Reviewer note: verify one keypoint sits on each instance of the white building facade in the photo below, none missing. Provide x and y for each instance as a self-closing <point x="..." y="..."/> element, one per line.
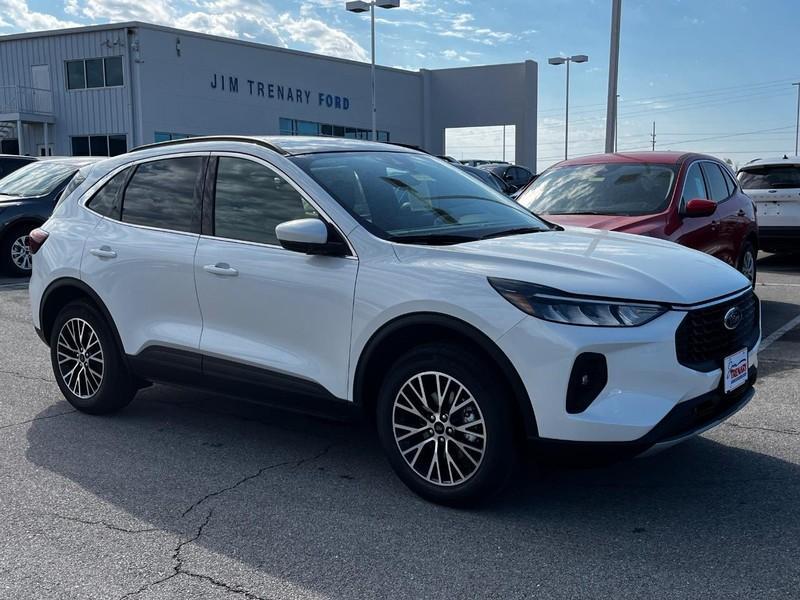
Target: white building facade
<point x="102" y="90"/>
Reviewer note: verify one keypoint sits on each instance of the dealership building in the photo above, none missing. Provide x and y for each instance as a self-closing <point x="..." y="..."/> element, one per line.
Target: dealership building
<point x="102" y="90"/>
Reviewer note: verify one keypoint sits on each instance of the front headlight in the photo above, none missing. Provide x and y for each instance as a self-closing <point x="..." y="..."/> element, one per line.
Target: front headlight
<point x="560" y="307"/>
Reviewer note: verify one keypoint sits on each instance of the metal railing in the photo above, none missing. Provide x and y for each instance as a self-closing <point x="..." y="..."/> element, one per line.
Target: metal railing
<point x="17" y="98"/>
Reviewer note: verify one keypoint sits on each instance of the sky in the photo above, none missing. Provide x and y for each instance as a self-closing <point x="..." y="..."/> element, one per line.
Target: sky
<point x="715" y="75"/>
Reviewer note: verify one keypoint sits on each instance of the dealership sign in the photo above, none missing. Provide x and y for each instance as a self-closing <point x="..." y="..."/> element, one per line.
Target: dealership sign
<point x="275" y="91"/>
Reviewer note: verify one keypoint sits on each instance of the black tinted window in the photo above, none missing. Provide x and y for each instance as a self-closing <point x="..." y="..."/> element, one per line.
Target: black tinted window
<point x="113" y="67"/>
<point x="694" y="186"/>
<point x="716" y="182"/>
<point x="770" y="177"/>
<point x="105" y="201"/>
<point x="163" y="193"/>
<point x="251" y="200"/>
<point x="94" y="73"/>
<point x="76" y="78"/>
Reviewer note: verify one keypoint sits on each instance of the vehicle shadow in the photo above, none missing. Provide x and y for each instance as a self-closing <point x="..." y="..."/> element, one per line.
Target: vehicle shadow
<point x="778" y="263"/>
<point x="313" y="504"/>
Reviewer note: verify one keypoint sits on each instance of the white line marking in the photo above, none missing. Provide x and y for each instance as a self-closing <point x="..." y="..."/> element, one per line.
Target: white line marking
<point x="773" y="284"/>
<point x="778" y="333"/>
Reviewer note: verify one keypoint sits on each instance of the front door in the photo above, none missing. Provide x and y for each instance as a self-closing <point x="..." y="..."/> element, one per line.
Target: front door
<point x="285" y="314"/>
<point x="700" y="233"/>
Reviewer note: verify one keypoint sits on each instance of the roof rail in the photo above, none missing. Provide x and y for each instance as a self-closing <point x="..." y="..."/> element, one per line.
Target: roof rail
<point x="214" y="138"/>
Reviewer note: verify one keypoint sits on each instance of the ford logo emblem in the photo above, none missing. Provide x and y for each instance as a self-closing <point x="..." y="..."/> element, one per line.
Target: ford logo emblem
<point x="732" y="318"/>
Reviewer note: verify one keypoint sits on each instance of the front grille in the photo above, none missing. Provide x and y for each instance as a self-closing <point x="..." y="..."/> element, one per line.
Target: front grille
<point x="702" y="340"/>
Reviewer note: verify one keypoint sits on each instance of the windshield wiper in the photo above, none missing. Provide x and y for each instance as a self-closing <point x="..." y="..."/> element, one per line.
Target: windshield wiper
<point x="440" y="239"/>
<point x="515" y="231"/>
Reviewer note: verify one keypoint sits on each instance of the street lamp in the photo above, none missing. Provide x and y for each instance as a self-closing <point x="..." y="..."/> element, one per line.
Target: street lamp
<point x="797" y="126"/>
<point x="359" y="6"/>
<point x="560" y="60"/>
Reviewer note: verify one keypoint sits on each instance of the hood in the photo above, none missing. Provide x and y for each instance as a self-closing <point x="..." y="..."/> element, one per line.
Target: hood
<point x="631" y="224"/>
<point x="591" y="262"/>
<point x="4" y="198"/>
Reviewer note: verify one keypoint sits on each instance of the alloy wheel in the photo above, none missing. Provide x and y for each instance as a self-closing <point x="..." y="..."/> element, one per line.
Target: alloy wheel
<point x="80" y="358"/>
<point x="439" y="428"/>
<point x="21" y="253"/>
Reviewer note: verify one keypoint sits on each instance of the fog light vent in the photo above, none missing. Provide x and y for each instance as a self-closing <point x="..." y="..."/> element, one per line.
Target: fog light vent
<point x="588" y="378"/>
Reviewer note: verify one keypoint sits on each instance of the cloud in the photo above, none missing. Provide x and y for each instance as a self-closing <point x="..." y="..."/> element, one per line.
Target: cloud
<point x="253" y="20"/>
<point x="454" y="55"/>
<point x="17" y="15"/>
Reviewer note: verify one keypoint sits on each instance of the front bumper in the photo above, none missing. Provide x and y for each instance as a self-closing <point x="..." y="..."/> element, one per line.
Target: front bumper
<point x="648" y="394"/>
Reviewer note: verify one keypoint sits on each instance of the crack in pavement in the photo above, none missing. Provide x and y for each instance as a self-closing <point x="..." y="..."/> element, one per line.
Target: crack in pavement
<point x="255" y="475"/>
<point x="105" y="524"/>
<point x="68" y="412"/>
<point x="24" y="376"/>
<point x="755" y="427"/>
<point x="178" y="569"/>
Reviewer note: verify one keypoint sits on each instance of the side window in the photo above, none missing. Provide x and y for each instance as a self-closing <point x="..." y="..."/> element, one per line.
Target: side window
<point x="165" y="194"/>
<point x="106" y="201"/>
<point x="730" y="181"/>
<point x="251" y="200"/>
<point x="716" y="182"/>
<point x="693" y="185"/>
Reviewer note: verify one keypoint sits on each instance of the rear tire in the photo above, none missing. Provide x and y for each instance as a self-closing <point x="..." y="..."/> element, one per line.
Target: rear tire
<point x="15" y="256"/>
<point x="747" y="262"/>
<point x="87" y="361"/>
<point x="457" y="449"/>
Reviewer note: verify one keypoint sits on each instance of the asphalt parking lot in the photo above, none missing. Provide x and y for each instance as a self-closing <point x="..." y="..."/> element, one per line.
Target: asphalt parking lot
<point x="186" y="495"/>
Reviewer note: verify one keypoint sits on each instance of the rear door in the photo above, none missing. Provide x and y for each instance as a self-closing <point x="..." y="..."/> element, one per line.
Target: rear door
<point x="140" y="257"/>
<point x="270" y="315"/>
<point x="699" y="233"/>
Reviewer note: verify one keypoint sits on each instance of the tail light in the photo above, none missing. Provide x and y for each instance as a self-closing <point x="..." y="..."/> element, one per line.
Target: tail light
<point x="36" y="238"/>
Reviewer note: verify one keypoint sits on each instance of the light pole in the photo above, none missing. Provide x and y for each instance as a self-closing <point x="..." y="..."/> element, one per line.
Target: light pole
<point x="560" y="60"/>
<point x="797" y="127"/>
<point x="359" y="6"/>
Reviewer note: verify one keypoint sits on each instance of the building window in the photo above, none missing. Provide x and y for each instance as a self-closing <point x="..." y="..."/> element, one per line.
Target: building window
<point x="165" y="136"/>
<point x="298" y="127"/>
<point x="93" y="73"/>
<point x="99" y="145"/>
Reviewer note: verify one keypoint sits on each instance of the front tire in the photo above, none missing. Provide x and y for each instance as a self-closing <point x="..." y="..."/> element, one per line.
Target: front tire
<point x="87" y="362"/>
<point x="444" y="421"/>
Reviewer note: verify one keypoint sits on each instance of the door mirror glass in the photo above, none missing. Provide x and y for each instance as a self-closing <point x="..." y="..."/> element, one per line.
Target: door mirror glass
<point x="310" y="236"/>
<point x="700" y="207"/>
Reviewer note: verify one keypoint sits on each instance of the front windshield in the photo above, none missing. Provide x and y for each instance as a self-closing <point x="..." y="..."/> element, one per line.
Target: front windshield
<point x="415" y="198"/>
<point x="36" y="179"/>
<point x="601" y="189"/>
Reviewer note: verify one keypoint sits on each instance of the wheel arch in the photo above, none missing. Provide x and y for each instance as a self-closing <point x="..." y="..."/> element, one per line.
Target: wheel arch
<point x="63" y="291"/>
<point x="401" y="334"/>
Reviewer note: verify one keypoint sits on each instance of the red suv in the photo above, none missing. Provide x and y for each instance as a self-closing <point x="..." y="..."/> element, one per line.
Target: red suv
<point x="691" y="199"/>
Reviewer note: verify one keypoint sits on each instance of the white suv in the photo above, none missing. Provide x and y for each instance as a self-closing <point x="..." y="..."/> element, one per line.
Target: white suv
<point x="774" y="185"/>
<point x="336" y="273"/>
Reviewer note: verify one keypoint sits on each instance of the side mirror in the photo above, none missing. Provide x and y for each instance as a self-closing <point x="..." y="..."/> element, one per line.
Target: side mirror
<point x="310" y="236"/>
<point x="699" y="207"/>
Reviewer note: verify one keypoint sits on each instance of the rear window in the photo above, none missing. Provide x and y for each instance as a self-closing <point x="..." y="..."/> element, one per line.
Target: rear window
<point x="770" y="177"/>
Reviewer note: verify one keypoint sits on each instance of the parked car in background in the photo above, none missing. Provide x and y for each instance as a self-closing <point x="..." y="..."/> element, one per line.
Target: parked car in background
<point x="515" y="177"/>
<point x="774" y="185"/>
<point x="340" y="274"/>
<point x="488" y="178"/>
<point x="476" y="162"/>
<point x="27" y="198"/>
<point x="691" y="199"/>
<point x="11" y="162"/>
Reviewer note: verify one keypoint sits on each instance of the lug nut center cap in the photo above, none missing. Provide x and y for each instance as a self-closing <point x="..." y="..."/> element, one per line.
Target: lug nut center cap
<point x="438" y="428"/>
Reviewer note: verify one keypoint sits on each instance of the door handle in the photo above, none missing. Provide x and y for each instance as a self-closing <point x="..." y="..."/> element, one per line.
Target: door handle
<point x="103" y="252"/>
<point x="222" y="269"/>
